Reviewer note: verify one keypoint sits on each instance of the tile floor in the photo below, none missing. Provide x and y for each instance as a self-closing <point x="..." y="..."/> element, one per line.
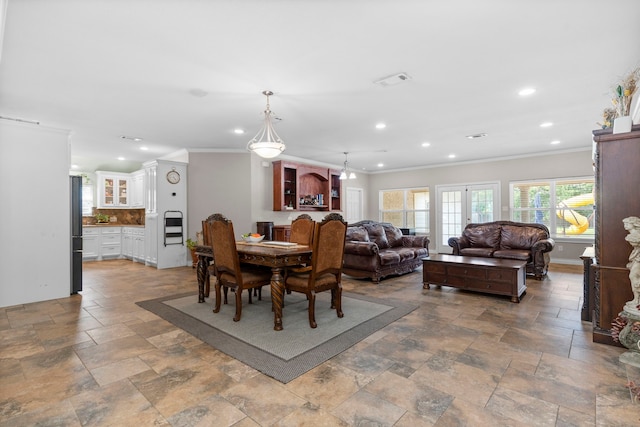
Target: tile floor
<point x="459" y="359"/>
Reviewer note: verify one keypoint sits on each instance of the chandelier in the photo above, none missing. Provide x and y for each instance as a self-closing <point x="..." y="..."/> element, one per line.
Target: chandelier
<point x="345" y="174"/>
<point x="266" y="143"/>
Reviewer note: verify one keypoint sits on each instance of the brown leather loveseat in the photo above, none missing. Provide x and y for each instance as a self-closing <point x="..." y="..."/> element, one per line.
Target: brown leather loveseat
<point x="507" y="240"/>
<point x="379" y="249"/>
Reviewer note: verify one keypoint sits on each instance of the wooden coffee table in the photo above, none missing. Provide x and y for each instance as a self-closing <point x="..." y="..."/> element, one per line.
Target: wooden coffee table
<point x="488" y="275"/>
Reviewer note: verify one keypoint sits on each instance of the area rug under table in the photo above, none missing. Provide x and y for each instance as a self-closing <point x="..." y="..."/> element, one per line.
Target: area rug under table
<point x="286" y="354"/>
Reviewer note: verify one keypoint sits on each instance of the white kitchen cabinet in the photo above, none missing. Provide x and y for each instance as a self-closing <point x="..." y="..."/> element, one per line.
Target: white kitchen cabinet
<point x="133" y="243"/>
<point x="110" y="242"/>
<point x="127" y="242"/>
<point x="90" y="243"/>
<point x="138" y="249"/>
<point x="113" y="189"/>
<point x="137" y="189"/>
<point x="101" y="242"/>
<point x="150" y="172"/>
<point x="151" y="240"/>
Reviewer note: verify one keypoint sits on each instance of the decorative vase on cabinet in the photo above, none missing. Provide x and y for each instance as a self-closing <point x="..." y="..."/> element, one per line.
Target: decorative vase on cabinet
<point x="622" y="124"/>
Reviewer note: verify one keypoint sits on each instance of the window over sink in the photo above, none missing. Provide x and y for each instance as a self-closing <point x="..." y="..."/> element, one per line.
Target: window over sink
<point x="87" y="199"/>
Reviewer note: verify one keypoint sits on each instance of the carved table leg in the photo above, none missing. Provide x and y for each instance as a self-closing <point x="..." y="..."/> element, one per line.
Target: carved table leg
<point x="201" y="273"/>
<point x="277" y="297"/>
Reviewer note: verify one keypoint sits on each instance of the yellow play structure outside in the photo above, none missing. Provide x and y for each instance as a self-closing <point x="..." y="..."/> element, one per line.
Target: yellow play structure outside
<point x="579" y="223"/>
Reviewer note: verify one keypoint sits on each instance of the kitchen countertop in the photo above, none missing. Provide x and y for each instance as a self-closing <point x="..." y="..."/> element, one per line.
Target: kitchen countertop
<point x="114" y="224"/>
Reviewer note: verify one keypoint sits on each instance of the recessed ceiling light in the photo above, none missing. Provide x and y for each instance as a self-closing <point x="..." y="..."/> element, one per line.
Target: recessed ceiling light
<point x="380" y="126"/>
<point x="476" y="135"/>
<point x="555" y="142"/>
<point x="238" y="131"/>
<point x="144" y="148"/>
<point x="426" y="144"/>
<point x="380" y="165"/>
<point x="527" y="91"/>
<point x="452" y="156"/>
<point x="120" y="158"/>
<point x="198" y="93"/>
<point x="74" y="166"/>
<point x="546" y="124"/>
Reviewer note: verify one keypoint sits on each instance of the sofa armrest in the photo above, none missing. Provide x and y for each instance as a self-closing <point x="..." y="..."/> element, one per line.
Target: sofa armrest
<point x="454" y="242"/>
<point x="415" y="241"/>
<point x="361" y="248"/>
<point x="545" y="245"/>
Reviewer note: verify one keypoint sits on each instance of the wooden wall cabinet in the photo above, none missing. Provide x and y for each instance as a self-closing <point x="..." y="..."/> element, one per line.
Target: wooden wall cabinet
<point x="282" y="233"/>
<point x="302" y="187"/>
<point x="617" y="174"/>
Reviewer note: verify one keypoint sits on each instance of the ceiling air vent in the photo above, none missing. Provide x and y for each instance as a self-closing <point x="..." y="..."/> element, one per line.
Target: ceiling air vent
<point x="393" y="80"/>
<point x="476" y="136"/>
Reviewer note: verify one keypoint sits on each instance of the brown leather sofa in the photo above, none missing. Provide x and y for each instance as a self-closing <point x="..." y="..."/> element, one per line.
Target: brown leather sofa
<point x="507" y="240"/>
<point x="378" y="249"/>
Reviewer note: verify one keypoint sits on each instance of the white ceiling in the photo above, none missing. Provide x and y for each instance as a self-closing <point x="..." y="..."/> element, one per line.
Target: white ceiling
<point x="104" y="69"/>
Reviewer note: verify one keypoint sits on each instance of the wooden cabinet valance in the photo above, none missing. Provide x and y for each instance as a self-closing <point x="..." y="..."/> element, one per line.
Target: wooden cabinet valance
<point x="302" y="187"/>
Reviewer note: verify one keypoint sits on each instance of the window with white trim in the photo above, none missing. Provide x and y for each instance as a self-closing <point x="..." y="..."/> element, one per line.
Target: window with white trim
<point x="406" y="208"/>
<point x="87" y="199"/>
<point x="564" y="205"/>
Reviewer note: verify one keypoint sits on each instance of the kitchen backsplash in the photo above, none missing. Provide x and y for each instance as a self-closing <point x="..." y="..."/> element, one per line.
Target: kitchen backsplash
<point x="121" y="216"/>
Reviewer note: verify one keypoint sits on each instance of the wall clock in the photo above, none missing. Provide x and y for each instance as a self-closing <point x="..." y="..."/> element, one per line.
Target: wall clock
<point x="173" y="176"/>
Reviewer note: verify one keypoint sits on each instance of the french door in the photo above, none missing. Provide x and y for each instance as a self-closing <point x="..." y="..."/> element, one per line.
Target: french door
<point x="460" y="205"/>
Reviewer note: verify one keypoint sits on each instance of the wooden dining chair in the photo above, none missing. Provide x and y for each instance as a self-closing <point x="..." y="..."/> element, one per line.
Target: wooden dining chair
<point x="206" y="246"/>
<point x="302" y="230"/>
<point x="230" y="273"/>
<point x="325" y="272"/>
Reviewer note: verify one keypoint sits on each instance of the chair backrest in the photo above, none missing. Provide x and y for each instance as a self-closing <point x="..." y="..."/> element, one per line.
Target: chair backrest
<point x="223" y="244"/>
<point x="206" y="231"/>
<point x="302" y="229"/>
<point x="328" y="245"/>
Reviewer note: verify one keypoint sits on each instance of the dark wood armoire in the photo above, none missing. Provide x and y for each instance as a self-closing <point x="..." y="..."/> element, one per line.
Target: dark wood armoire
<point x="617" y="196"/>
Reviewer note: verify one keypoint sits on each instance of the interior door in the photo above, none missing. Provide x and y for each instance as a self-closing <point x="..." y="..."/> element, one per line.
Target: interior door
<point x="353" y="203"/>
<point x="463" y="204"/>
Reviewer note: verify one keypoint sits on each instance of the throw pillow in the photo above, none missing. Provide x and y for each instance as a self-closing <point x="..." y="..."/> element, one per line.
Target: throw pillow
<point x="394" y="235"/>
<point x="357" y="234"/>
<point x="377" y="235"/>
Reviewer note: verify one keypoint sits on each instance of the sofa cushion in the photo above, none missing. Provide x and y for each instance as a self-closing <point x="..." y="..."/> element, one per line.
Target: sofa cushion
<point x="482" y="236"/>
<point x="405" y="254"/>
<point x="377" y="235"/>
<point x="516" y="237"/>
<point x="394" y="235"/>
<point x="420" y="252"/>
<point x="483" y="252"/>
<point x="357" y="234"/>
<point x="519" y="254"/>
<point x="389" y="258"/>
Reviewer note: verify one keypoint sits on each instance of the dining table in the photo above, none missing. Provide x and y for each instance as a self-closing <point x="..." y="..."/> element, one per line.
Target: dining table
<point x="273" y="254"/>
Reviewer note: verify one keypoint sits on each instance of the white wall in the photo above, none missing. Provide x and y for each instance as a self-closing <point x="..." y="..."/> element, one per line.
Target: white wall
<point x="219" y="183"/>
<point x="518" y="169"/>
<point x="240" y="185"/>
<point x="171" y="197"/>
<point x="34" y="214"/>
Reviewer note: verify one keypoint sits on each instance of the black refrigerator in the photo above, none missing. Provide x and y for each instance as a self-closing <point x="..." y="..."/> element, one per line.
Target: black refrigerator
<point x="76" y="234"/>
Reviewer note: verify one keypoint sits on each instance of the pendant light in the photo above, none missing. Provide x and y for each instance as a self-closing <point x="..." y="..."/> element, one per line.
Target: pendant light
<point x="266" y="143"/>
<point x="345" y="174"/>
